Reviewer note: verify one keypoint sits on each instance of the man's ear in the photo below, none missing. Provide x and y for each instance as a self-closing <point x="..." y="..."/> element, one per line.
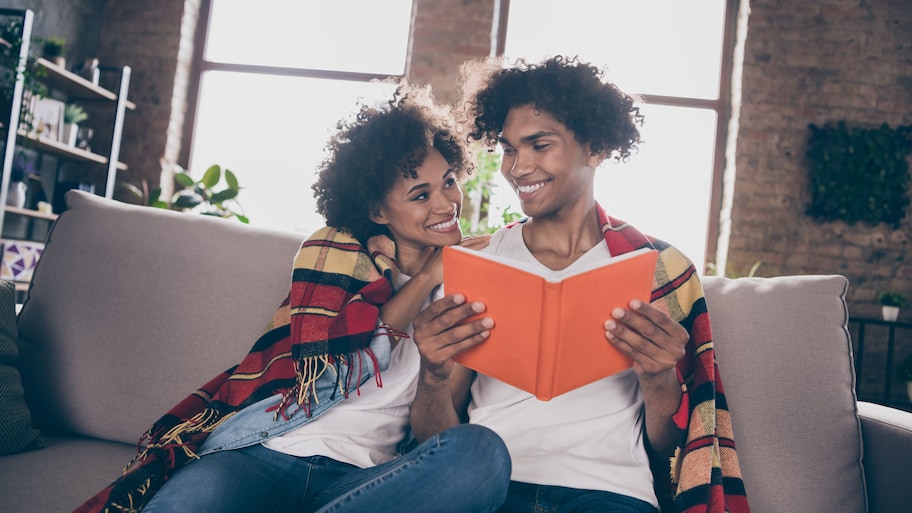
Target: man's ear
<point x="596" y="159"/>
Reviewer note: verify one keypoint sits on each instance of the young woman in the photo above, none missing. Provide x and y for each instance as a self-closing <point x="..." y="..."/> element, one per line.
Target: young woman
<point x="297" y="425"/>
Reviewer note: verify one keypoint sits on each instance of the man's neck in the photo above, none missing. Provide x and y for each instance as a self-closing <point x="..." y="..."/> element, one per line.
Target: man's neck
<point x="559" y="239"/>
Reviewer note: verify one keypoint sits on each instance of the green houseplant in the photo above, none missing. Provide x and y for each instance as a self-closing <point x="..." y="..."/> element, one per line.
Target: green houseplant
<point x="202" y="196"/>
<point x="890" y="303"/>
<point x="72" y="115"/>
<point x="53" y="50"/>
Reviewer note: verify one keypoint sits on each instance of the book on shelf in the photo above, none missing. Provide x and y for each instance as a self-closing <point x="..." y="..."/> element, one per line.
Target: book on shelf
<point x="548" y="336"/>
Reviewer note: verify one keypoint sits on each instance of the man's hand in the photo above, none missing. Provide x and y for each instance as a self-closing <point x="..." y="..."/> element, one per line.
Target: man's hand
<point x="440" y="333"/>
<point x="655" y="343"/>
<point x="652" y="339"/>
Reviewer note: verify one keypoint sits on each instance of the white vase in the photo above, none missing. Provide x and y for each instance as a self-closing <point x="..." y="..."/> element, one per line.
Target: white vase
<point x="70" y="130"/>
<point x="889" y="312"/>
<point x="15" y="195"/>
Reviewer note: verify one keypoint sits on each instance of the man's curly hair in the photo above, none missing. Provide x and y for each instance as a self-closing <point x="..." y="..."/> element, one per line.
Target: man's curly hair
<point x="595" y="110"/>
<point x="368" y="153"/>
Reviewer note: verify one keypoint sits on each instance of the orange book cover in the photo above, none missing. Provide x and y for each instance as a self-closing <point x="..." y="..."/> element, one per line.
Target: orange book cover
<point x="548" y="336"/>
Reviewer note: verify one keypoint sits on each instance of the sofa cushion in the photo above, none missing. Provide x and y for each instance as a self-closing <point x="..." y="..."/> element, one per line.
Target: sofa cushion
<point x="116" y="329"/>
<point x="787" y="368"/>
<point x="16" y="431"/>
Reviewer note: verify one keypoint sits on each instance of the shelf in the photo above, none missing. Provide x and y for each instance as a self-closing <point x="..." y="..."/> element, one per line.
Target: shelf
<point x="75" y="85"/>
<point x="27" y="212"/>
<point x="64" y="150"/>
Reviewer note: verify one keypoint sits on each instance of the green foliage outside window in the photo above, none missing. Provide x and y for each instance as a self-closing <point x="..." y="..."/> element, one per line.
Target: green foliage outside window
<point x="859" y="174"/>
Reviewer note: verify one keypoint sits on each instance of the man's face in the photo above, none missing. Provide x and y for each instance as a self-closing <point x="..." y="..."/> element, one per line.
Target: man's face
<point x="543" y="162"/>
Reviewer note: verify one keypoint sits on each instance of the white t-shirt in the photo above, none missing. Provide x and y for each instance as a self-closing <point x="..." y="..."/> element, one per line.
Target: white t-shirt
<point x="365" y="428"/>
<point x="589" y="438"/>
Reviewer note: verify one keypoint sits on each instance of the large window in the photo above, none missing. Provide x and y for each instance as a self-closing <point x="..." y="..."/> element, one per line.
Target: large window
<point x="671" y="53"/>
<point x="276" y="76"/>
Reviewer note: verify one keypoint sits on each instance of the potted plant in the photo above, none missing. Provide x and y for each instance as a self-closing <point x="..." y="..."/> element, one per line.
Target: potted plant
<point x="891" y="302"/>
<point x="72" y="115"/>
<point x="905" y="372"/>
<point x="53" y="50"/>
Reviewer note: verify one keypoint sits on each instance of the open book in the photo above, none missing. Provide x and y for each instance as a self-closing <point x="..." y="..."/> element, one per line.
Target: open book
<point x="548" y="336"/>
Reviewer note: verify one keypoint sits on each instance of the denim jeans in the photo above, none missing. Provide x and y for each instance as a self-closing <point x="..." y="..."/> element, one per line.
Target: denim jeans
<point x="532" y="498"/>
<point x="464" y="469"/>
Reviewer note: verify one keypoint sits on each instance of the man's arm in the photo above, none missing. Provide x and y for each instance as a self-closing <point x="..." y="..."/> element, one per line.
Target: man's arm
<point x="443" y="385"/>
<point x="655" y="342"/>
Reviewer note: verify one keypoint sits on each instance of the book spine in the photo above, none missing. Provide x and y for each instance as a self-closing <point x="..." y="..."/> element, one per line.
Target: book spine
<point x="550" y="329"/>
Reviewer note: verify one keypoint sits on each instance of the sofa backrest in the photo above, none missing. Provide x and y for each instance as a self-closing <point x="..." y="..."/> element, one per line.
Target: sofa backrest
<point x="786" y="362"/>
<point x="132" y="308"/>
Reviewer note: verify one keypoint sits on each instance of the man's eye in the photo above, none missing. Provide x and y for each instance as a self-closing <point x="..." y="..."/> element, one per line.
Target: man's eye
<point x="540" y="147"/>
<point x="509" y="151"/>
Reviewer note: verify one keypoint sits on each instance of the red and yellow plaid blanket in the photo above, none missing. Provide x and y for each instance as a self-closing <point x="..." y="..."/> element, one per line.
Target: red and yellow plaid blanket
<point x="331" y="312"/>
<point x="704" y="475"/>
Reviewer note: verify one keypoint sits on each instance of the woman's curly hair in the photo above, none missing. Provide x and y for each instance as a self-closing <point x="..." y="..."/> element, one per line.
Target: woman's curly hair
<point x="368" y="153"/>
<point x="596" y="111"/>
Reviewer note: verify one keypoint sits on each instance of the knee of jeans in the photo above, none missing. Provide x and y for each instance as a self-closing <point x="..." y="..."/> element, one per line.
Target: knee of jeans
<point x="482" y="447"/>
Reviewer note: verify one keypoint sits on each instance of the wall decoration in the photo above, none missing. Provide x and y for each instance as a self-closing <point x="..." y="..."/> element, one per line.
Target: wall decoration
<point x="859" y="173"/>
<point x="47" y="118"/>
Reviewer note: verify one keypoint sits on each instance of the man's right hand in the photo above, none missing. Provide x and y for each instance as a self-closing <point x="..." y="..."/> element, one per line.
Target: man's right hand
<point x="441" y="333"/>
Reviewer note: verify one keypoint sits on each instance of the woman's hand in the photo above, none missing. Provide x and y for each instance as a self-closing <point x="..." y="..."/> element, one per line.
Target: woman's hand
<point x="433" y="266"/>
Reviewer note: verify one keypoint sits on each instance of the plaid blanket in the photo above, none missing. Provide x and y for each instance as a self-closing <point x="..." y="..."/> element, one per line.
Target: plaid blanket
<point x="704" y="474"/>
<point x="330" y="313"/>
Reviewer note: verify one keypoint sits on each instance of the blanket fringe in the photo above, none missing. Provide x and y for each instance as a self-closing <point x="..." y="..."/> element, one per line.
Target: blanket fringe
<point x="175" y="438"/>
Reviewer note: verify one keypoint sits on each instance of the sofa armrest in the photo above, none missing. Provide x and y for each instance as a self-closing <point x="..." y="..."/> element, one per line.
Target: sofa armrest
<point x="887" y="435"/>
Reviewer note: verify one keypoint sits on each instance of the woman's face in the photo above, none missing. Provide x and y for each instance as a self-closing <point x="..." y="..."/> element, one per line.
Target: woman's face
<point x="424" y="211"/>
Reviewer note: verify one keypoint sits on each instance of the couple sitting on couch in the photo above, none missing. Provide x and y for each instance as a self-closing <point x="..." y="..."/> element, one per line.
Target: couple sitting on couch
<point x="297" y="424"/>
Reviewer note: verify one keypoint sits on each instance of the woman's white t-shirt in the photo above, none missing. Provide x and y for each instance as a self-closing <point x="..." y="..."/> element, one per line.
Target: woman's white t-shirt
<point x="589" y="438"/>
<point x="364" y="429"/>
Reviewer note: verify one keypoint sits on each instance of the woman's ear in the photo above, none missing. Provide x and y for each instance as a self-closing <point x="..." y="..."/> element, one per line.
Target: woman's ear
<point x="378" y="217"/>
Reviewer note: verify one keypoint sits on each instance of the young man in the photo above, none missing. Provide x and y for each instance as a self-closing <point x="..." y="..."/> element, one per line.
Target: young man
<point x="611" y="445"/>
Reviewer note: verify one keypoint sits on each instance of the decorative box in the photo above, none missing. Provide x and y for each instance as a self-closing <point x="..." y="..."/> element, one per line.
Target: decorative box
<point x="19" y="259"/>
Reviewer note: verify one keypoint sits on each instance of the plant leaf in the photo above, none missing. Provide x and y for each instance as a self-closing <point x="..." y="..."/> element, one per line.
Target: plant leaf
<point x="186" y="199"/>
<point x="184" y="179"/>
<point x="211" y="176"/>
<point x="231" y="179"/>
<point x="221" y="196"/>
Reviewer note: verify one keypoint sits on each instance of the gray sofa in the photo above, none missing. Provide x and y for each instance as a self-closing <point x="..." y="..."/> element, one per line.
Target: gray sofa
<point x="131" y="308"/>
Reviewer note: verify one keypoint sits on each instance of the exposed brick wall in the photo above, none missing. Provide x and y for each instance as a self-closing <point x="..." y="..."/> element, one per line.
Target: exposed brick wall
<point x="816" y="62"/>
<point x="148" y="38"/>
<point x="804" y="63"/>
<point x="446" y="34"/>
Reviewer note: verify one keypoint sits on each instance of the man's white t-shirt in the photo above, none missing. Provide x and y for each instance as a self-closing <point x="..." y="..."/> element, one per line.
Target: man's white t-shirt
<point x="589" y="438"/>
<point x="364" y="429"/>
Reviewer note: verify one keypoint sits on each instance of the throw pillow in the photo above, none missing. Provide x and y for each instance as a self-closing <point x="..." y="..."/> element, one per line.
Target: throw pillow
<point x="16" y="431"/>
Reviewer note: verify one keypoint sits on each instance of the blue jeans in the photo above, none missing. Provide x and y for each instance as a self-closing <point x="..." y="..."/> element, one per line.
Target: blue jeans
<point x="532" y="498"/>
<point x="466" y="468"/>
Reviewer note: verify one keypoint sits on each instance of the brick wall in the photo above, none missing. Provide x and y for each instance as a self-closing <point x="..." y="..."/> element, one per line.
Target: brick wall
<point x="816" y="62"/>
<point x="805" y="62"/>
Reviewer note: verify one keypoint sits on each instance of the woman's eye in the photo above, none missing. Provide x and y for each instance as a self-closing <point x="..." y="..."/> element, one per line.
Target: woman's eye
<point x="420" y="197"/>
<point x="450" y="183"/>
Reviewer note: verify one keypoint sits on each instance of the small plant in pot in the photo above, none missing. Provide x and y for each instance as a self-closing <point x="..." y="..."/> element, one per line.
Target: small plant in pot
<point x="53" y="50"/>
<point x="890" y="303"/>
<point x="72" y="116"/>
